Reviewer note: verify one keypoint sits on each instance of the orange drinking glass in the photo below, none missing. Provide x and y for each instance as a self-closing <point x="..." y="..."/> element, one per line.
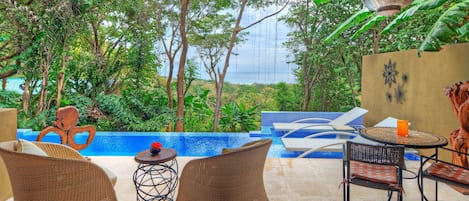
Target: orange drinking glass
<point x="402" y="128"/>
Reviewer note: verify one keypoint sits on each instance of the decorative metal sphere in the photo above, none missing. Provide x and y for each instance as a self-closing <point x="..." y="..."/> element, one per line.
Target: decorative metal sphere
<point x="386" y="7"/>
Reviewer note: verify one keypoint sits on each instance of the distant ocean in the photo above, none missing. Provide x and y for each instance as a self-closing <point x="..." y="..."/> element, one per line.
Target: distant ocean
<point x="259" y="78"/>
<point x="262" y="58"/>
<point x="14" y="84"/>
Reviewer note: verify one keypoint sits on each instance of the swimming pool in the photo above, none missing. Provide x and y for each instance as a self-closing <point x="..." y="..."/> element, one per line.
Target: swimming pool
<point x="200" y="144"/>
<point x="186" y="144"/>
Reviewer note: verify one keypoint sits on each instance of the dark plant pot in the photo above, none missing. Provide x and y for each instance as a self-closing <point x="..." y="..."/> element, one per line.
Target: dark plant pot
<point x="154" y="151"/>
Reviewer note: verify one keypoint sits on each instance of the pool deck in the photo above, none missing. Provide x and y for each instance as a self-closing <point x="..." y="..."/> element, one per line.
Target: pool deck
<point x="288" y="179"/>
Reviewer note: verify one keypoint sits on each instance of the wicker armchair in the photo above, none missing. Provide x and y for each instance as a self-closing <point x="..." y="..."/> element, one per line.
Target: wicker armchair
<point x="62" y="175"/>
<point x="373" y="166"/>
<point x="442" y="171"/>
<point x="236" y="175"/>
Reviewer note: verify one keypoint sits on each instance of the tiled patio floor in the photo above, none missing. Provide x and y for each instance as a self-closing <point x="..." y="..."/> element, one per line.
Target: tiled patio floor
<point x="293" y="180"/>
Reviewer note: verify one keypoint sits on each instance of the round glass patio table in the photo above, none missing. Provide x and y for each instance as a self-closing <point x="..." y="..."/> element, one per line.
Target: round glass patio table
<point x="415" y="139"/>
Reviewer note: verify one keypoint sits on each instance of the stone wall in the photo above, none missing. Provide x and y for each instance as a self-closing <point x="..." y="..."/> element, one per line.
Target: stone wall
<point x="417" y="93"/>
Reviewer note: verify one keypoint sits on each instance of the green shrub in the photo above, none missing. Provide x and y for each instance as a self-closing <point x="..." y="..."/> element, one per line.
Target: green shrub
<point x="237" y="118"/>
<point x="9" y="99"/>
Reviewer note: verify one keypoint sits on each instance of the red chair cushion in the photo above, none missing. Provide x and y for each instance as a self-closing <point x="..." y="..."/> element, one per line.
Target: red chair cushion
<point x="386" y="174"/>
<point x="449" y="172"/>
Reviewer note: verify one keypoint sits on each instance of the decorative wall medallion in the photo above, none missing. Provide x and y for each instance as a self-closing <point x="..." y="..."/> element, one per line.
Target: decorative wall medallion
<point x="390" y="73"/>
<point x="399" y="93"/>
<point x="404" y="78"/>
<point x="388" y="97"/>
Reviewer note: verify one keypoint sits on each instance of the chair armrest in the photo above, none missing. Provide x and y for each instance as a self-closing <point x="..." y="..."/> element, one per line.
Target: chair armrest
<point x="59" y="151"/>
<point x="426" y="159"/>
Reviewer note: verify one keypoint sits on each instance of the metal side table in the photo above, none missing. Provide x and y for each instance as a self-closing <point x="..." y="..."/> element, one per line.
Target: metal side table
<point x="156" y="176"/>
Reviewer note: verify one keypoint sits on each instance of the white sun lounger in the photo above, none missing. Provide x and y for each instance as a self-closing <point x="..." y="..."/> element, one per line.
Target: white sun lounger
<point x="309" y="127"/>
<point x="388" y="122"/>
<point x="311" y="144"/>
<point x="337" y="124"/>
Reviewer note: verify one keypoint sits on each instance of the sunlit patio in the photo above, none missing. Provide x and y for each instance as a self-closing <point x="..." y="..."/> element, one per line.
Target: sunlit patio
<point x="288" y="179"/>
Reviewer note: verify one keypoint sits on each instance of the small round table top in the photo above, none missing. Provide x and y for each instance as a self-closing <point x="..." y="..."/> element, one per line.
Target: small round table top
<point x="145" y="157"/>
<point x="415" y="139"/>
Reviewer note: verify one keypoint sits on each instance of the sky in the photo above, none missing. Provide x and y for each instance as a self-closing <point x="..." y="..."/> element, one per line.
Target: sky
<point x="262" y="57"/>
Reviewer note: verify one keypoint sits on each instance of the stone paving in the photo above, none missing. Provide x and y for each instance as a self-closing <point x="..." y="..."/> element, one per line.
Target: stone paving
<point x="288" y="179"/>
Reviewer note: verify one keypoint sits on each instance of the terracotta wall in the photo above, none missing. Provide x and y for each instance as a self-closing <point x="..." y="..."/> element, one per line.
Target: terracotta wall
<point x="421" y="81"/>
<point x="8" y="126"/>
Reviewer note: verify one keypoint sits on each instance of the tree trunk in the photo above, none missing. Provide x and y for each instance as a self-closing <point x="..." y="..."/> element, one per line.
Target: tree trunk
<point x="306" y="83"/>
<point x="169" y="91"/>
<point x="309" y="81"/>
<point x="45" y="73"/>
<point x="222" y="74"/>
<point x="349" y="76"/>
<point x="377" y="38"/>
<point x="216" y="112"/>
<point x="182" y="62"/>
<point x="61" y="76"/>
<point x="26" y="96"/>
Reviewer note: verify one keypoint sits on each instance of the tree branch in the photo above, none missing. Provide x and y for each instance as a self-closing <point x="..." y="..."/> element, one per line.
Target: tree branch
<point x="8" y="74"/>
<point x="264" y="18"/>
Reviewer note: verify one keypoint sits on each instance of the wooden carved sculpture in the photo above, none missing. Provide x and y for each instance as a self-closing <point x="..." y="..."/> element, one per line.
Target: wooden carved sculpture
<point x="65" y="126"/>
<point x="459" y="138"/>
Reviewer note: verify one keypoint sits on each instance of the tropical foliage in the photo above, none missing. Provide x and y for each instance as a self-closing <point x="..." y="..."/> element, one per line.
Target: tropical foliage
<point x="328" y="75"/>
<point x="450" y="25"/>
<point x="106" y="58"/>
<point x="236" y="117"/>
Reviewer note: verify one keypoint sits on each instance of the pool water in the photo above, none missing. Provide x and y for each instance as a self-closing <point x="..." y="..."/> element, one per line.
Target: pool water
<point x="186" y="144"/>
<point x="200" y="144"/>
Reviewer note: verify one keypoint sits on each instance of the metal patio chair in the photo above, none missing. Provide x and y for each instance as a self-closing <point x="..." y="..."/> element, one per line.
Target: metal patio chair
<point x="373" y="166"/>
<point x="442" y="171"/>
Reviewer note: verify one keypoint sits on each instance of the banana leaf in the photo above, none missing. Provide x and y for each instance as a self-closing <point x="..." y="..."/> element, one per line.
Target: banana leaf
<point x="317" y="2"/>
<point x="410" y="11"/>
<point x="464" y="31"/>
<point x="447" y="28"/>
<point x="400" y="18"/>
<point x="428" y="5"/>
<point x="354" y="20"/>
<point x="368" y="25"/>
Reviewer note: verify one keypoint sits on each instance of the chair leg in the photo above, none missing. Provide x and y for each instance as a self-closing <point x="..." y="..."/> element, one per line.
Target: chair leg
<point x="389" y="195"/>
<point x="348" y="192"/>
<point x="344" y="193"/>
